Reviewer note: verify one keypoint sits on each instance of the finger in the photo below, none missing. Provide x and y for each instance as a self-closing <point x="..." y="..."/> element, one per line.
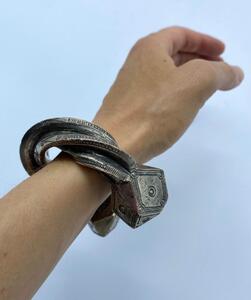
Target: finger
<point x="227" y="76"/>
<point x="187" y="40"/>
<point x="181" y="58"/>
<point x="202" y="78"/>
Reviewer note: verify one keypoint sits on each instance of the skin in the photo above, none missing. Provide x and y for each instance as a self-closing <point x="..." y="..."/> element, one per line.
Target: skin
<point x="165" y="80"/>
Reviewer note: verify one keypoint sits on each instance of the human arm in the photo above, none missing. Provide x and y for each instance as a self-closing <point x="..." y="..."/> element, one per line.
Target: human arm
<point x="40" y="218"/>
<point x="165" y="80"/>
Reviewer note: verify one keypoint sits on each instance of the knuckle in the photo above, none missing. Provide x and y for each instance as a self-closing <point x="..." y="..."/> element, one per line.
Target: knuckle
<point x="145" y="44"/>
<point x="175" y="28"/>
<point x="172" y="30"/>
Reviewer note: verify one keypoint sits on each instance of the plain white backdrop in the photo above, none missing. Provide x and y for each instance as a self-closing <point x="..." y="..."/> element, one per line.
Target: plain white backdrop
<point x="59" y="58"/>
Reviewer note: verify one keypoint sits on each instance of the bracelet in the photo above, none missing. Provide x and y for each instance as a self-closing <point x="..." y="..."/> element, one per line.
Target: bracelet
<point x="139" y="192"/>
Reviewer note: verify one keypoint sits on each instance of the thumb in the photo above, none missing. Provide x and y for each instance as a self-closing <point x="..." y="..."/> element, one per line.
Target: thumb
<point x="205" y="77"/>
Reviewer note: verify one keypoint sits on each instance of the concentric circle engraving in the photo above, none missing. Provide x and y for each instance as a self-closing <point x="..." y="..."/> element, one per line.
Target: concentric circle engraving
<point x="151" y="191"/>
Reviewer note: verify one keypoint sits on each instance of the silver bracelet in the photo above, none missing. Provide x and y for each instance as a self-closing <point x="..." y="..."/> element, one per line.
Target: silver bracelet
<point x="138" y="191"/>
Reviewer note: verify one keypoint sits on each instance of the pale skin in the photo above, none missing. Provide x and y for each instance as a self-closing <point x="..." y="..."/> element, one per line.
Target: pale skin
<point x="165" y="80"/>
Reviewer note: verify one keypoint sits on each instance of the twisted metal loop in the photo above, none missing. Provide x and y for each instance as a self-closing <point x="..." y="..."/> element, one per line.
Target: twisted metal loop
<point x="138" y="192"/>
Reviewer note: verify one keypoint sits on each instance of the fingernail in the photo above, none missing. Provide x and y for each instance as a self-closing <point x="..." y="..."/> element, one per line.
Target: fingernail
<point x="239" y="74"/>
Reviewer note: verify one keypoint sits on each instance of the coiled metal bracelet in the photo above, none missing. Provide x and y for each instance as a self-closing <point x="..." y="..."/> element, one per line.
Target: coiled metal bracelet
<point x="138" y="192"/>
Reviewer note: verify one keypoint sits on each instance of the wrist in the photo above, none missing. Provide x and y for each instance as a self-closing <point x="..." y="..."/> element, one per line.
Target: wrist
<point x="128" y="136"/>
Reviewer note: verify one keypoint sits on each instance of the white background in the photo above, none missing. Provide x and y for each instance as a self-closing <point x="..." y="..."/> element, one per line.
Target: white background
<point x="58" y="58"/>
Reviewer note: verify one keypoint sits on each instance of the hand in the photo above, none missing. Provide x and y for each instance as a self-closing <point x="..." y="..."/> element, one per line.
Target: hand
<point x="166" y="79"/>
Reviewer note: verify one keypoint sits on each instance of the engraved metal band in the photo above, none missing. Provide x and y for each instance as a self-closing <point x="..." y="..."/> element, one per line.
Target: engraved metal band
<point x="138" y="192"/>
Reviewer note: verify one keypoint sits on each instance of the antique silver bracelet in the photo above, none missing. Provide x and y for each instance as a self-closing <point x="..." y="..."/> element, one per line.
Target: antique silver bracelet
<point x="138" y="192"/>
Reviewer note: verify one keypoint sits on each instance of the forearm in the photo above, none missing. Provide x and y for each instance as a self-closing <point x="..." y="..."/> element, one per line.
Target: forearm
<point x="40" y="218"/>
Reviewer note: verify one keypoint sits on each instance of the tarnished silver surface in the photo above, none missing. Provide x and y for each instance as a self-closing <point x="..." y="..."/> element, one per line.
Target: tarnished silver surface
<point x="138" y="192"/>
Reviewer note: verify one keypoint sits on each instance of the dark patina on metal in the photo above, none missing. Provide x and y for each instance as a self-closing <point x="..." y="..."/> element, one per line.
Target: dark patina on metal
<point x="138" y="191"/>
